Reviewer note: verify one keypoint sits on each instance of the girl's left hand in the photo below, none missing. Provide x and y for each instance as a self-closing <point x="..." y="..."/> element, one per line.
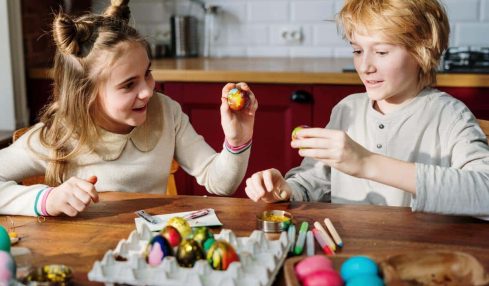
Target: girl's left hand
<point x="238" y="125"/>
<point x="333" y="147"/>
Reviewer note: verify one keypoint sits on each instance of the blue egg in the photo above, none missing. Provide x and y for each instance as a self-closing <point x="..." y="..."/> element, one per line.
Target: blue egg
<point x="157" y="249"/>
<point x="358" y="265"/>
<point x="363" y="280"/>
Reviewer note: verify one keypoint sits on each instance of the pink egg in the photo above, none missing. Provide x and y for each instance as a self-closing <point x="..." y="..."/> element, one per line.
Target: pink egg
<point x="323" y="278"/>
<point x="312" y="264"/>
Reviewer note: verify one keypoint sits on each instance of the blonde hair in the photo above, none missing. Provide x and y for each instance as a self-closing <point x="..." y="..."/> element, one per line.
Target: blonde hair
<point x="421" y="26"/>
<point x="86" y="47"/>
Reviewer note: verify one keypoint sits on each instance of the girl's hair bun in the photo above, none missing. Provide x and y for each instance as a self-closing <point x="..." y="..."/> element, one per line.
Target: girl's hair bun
<point x="69" y="35"/>
<point x="119" y="9"/>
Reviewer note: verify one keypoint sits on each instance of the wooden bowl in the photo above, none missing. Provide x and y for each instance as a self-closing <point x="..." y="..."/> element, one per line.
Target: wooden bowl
<point x="417" y="268"/>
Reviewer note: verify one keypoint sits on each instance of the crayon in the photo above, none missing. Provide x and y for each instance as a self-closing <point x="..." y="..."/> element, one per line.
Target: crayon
<point x="322" y="243"/>
<point x="334" y="233"/>
<point x="309" y="243"/>
<point x="299" y="245"/>
<point x="325" y="236"/>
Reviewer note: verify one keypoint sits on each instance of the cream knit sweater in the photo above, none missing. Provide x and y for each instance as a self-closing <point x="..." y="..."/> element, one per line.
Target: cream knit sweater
<point x="135" y="162"/>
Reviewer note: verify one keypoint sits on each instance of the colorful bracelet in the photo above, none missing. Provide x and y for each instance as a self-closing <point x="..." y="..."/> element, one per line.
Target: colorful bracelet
<point x="43" y="203"/>
<point x="37" y="201"/>
<point x="238" y="149"/>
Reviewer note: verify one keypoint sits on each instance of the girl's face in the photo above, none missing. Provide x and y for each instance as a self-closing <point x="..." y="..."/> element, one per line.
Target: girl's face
<point x="122" y="101"/>
<point x="389" y="72"/>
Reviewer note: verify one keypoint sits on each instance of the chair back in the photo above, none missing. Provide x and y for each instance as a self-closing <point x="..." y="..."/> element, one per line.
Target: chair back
<point x="171" y="187"/>
<point x="484" y="126"/>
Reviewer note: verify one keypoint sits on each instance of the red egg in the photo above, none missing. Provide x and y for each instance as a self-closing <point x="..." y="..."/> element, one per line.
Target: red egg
<point x="323" y="278"/>
<point x="238" y="99"/>
<point x="172" y="235"/>
<point x="311" y="265"/>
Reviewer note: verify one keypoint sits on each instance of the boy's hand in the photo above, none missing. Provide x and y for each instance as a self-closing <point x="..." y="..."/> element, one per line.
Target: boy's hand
<point x="333" y="147"/>
<point x="269" y="186"/>
<point x="72" y="197"/>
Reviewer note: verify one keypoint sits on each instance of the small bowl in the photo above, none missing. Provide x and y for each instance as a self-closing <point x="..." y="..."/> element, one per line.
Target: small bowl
<point x="49" y="275"/>
<point x="273" y="221"/>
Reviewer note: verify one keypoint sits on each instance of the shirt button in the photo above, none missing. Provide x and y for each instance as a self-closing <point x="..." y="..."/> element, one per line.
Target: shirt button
<point x="381" y="126"/>
<point x="379" y="146"/>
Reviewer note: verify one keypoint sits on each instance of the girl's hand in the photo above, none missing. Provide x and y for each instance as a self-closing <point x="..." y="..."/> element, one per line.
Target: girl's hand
<point x="72" y="197"/>
<point x="238" y="125"/>
<point x="269" y="186"/>
<point x="333" y="147"/>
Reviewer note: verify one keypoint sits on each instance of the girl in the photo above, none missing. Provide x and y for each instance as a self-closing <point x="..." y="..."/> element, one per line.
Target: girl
<point x="105" y="120"/>
<point x="402" y="142"/>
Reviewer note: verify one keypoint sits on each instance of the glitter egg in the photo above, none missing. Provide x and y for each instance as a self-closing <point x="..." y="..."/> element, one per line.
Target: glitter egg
<point x="181" y="225"/>
<point x="221" y="255"/>
<point x="8" y="268"/>
<point x="208" y="244"/>
<point x="5" y="243"/>
<point x="238" y="99"/>
<point x="188" y="252"/>
<point x="201" y="234"/>
<point x="172" y="235"/>
<point x="157" y="249"/>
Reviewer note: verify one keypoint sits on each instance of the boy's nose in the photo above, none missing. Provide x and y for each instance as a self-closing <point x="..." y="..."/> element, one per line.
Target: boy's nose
<point x="366" y="65"/>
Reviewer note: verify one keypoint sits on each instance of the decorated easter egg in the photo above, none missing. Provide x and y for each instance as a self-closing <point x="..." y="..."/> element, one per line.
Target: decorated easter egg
<point x="208" y="244"/>
<point x="294" y="132"/>
<point x="157" y="249"/>
<point x="172" y="235"/>
<point x="4" y="240"/>
<point x="8" y="268"/>
<point x="188" y="252"/>
<point x="358" y="265"/>
<point x="238" y="99"/>
<point x="181" y="225"/>
<point x="201" y="234"/>
<point x="221" y="254"/>
<point x="327" y="277"/>
<point x="311" y="265"/>
<point x="361" y="280"/>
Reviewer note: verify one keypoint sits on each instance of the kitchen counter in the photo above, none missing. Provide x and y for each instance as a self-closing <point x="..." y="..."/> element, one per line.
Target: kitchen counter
<point x="271" y="70"/>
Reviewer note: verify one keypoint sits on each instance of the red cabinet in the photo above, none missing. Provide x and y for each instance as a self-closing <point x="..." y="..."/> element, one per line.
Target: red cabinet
<point x="277" y="115"/>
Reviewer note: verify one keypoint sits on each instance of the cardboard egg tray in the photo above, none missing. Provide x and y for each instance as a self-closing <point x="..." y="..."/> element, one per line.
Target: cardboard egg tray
<point x="260" y="261"/>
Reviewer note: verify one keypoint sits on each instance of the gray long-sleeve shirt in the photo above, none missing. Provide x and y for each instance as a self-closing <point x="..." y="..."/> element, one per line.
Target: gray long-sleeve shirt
<point x="435" y="131"/>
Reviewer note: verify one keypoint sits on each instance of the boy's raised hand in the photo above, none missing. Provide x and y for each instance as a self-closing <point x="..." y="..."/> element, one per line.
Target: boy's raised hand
<point x="269" y="186"/>
<point x="238" y="125"/>
<point x="72" y="197"/>
<point x="333" y="147"/>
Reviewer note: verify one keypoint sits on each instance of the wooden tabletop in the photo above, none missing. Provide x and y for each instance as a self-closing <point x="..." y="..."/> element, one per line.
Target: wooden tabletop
<point x="370" y="230"/>
<point x="272" y="70"/>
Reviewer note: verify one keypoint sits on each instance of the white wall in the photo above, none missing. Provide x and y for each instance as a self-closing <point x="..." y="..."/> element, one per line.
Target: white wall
<point x="254" y="27"/>
<point x="13" y="110"/>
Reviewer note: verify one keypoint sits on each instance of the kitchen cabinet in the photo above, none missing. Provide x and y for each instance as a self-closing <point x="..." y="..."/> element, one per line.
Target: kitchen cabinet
<point x="278" y="114"/>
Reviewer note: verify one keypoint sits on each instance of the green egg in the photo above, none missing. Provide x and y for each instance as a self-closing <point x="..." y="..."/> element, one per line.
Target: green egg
<point x="4" y="240"/>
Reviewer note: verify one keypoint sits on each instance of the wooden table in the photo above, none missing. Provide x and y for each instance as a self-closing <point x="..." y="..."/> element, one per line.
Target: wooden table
<point x="371" y="230"/>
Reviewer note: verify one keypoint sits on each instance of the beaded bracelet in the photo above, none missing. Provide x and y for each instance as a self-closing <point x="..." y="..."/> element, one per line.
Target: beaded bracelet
<point x="37" y="201"/>
<point x="43" y="203"/>
<point x="238" y="149"/>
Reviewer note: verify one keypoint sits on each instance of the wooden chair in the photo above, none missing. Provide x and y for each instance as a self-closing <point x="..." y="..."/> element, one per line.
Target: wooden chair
<point x="484" y="126"/>
<point x="171" y="187"/>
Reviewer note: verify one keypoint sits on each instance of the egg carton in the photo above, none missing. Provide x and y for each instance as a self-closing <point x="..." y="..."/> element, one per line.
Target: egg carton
<point x="260" y="261"/>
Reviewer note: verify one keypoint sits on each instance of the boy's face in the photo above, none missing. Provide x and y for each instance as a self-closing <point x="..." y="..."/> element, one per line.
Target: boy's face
<point x="122" y="101"/>
<point x="389" y="72"/>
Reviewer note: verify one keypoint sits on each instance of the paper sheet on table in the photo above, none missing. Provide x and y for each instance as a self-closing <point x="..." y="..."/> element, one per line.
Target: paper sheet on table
<point x="210" y="219"/>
